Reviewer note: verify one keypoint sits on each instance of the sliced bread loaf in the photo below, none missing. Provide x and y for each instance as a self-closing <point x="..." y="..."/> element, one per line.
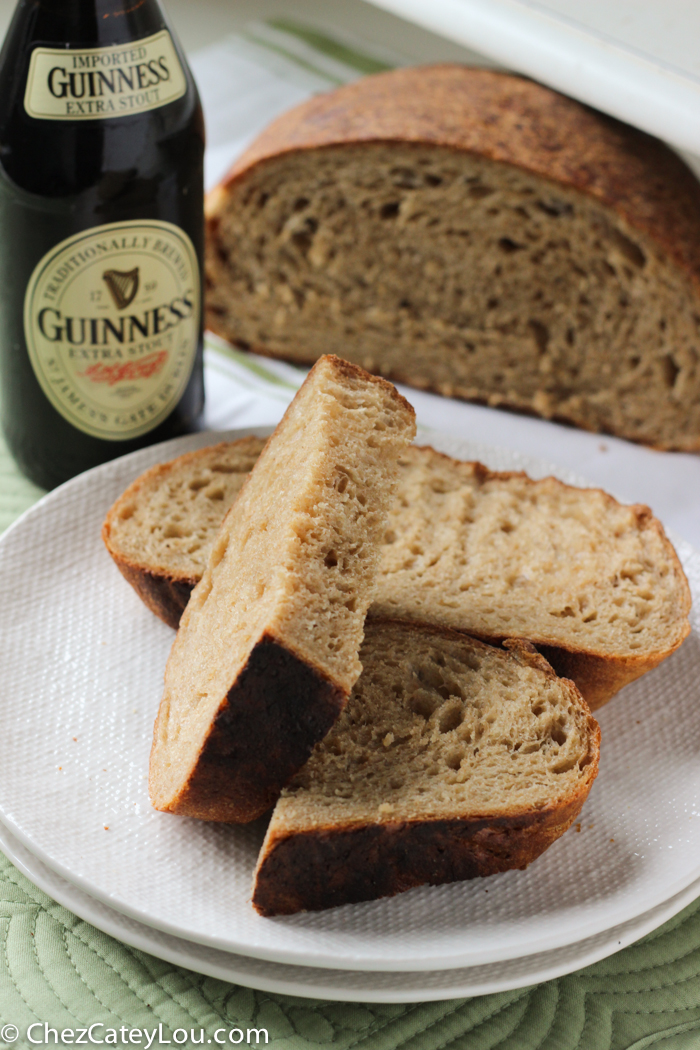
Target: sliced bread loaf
<point x="267" y="649"/>
<point x="595" y="584"/>
<point x="476" y="234"/>
<point x="452" y="760"/>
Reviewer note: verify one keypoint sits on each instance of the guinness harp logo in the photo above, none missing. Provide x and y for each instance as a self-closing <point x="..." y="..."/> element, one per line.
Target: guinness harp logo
<point x="122" y="286"/>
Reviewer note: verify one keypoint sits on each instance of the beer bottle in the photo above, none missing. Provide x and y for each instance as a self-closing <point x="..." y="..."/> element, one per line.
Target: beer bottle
<point x="101" y="234"/>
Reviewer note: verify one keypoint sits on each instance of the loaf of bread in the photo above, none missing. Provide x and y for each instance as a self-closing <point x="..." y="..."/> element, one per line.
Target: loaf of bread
<point x="452" y="760"/>
<point x="595" y="584"/>
<point x="476" y="234"/>
<point x="267" y="649"/>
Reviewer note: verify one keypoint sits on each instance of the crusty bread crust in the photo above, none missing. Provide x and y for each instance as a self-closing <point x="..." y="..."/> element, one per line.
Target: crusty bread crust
<point x="263" y="732"/>
<point x="331" y="866"/>
<point x="327" y="868"/>
<point x="521" y="123"/>
<point x="166" y="595"/>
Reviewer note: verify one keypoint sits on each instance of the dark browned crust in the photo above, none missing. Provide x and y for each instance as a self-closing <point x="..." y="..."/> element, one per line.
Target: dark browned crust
<point x="327" y="867"/>
<point x="264" y="731"/>
<point x="599" y="678"/>
<point x="508" y="119"/>
<point x="165" y="595"/>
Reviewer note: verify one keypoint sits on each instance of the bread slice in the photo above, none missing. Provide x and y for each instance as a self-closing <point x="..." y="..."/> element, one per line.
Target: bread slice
<point x="595" y="584"/>
<point x="267" y="650"/>
<point x="161" y="529"/>
<point x="476" y="234"/>
<point x="452" y="760"/>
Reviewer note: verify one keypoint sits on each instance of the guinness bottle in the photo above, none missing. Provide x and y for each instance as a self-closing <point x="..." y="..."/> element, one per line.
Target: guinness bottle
<point x="101" y="234"/>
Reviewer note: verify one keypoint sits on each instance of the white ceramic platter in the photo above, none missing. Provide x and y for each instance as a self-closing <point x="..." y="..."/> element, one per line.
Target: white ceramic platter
<point x="346" y="985"/>
<point x="82" y="663"/>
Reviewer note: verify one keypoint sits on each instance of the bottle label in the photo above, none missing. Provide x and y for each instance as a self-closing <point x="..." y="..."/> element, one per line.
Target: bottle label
<point x="111" y="320"/>
<point x="104" y="82"/>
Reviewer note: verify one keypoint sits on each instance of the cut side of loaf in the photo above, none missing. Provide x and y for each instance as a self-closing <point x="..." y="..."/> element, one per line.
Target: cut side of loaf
<point x="162" y="528"/>
<point x="595" y="584"/>
<point x="267" y="649"/>
<point x="452" y="760"/>
<point x="476" y="234"/>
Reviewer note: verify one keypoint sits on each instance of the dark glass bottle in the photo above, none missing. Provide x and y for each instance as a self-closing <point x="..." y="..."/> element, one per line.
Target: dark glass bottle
<point x="101" y="234"/>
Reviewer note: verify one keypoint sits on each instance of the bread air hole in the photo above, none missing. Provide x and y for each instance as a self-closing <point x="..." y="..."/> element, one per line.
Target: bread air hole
<point x="450" y="717"/>
<point x="421" y="703"/>
<point x="564" y="766"/>
<point x="631" y="251"/>
<point x="173" y="531"/>
<point x="670" y="371"/>
<point x="453" y="760"/>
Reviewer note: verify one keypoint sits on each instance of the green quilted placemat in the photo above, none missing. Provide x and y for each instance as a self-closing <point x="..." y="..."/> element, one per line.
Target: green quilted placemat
<point x="59" y="971"/>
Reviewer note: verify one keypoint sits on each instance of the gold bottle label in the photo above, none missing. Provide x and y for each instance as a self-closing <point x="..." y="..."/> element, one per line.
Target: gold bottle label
<point x="98" y="83"/>
<point x="111" y="320"/>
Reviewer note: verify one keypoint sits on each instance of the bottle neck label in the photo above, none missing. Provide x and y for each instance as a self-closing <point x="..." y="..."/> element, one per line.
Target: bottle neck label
<point x="101" y="83"/>
<point x="111" y="321"/>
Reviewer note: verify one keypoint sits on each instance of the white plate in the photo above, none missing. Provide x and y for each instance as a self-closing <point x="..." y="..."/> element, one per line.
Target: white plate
<point x="345" y="985"/>
<point x="82" y="658"/>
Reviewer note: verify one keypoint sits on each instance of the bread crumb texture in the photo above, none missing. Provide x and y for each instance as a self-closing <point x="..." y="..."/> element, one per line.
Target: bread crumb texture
<point x="170" y="517"/>
<point x="474" y="234"/>
<point x="501" y="555"/>
<point x="440" y="726"/>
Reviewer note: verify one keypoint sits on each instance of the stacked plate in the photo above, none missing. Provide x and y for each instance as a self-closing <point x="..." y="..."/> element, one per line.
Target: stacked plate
<point x="83" y="663"/>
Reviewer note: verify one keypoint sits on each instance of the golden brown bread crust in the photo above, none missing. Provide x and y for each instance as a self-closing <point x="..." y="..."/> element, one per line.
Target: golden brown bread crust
<point x="263" y="733"/>
<point x="521" y="123"/>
